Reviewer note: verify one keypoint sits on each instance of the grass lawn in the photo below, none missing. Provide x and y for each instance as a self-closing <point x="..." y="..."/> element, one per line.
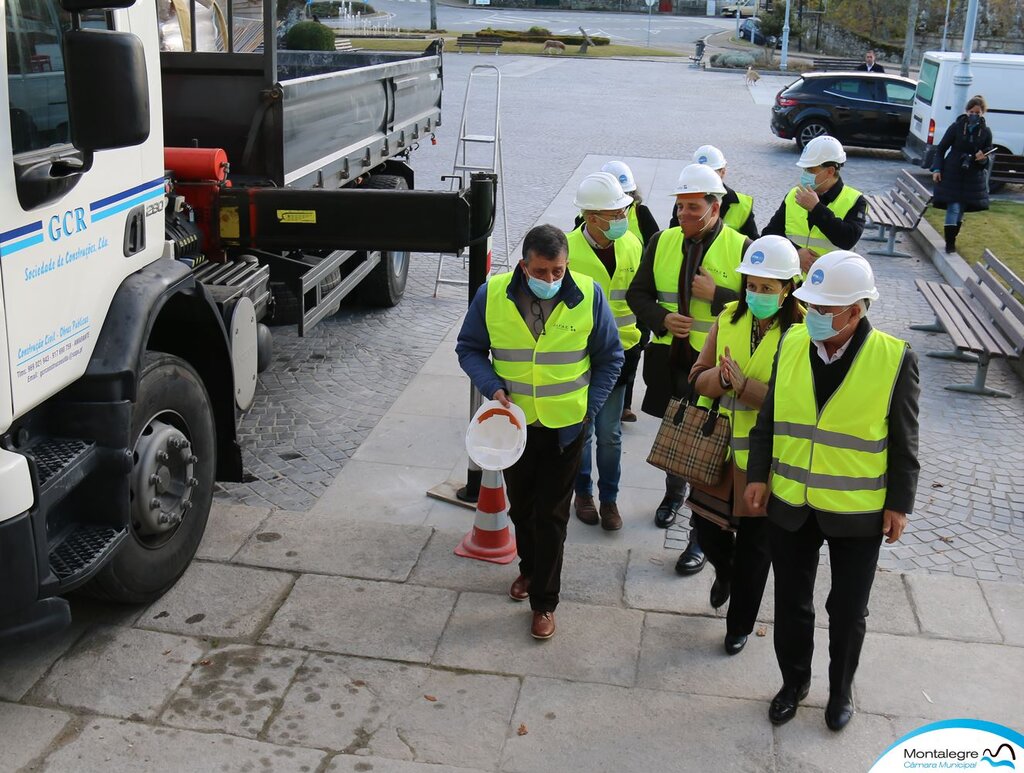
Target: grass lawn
<point x="598" y="52"/>
<point x="1000" y="229"/>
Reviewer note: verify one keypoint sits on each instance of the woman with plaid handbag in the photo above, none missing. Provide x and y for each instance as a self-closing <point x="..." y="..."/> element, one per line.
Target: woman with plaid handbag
<point x="734" y="366"/>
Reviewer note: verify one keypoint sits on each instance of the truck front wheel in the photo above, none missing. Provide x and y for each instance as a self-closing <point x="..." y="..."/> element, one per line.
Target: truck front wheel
<point x="385" y="285"/>
<point x="172" y="479"/>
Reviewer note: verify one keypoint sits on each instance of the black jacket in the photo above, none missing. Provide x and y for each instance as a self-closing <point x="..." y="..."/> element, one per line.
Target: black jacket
<point x="876" y="67"/>
<point x="843" y="233"/>
<point x="749" y="227"/>
<point x="902" y="468"/>
<point x="968" y="186"/>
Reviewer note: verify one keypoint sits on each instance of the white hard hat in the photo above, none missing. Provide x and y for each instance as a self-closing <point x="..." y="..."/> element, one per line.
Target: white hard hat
<point x="838" y="278"/>
<point x="697" y="178"/>
<point x="496" y="436"/>
<point x="709" y="155"/>
<point x="601" y="191"/>
<point x="773" y="257"/>
<point x="821" y="150"/>
<point x="622" y="173"/>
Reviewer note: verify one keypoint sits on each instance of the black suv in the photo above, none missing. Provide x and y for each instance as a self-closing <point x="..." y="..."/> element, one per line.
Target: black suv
<point x="868" y="110"/>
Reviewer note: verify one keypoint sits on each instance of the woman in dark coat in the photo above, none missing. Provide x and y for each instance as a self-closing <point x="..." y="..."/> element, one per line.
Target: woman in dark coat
<point x="960" y="168"/>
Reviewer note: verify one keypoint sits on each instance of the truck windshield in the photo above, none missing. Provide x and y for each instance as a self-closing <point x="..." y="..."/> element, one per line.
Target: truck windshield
<point x="926" y="86"/>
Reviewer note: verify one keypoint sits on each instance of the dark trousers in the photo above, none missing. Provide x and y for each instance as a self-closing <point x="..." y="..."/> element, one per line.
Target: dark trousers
<point x="742" y="559"/>
<point x="795" y="563"/>
<point x="632" y="363"/>
<point x="540" y="488"/>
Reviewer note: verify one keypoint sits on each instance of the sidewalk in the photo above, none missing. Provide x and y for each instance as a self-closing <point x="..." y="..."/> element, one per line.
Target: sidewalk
<point x="350" y="638"/>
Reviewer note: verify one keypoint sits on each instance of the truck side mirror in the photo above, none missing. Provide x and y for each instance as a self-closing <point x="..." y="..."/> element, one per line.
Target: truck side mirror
<point x="108" y="89"/>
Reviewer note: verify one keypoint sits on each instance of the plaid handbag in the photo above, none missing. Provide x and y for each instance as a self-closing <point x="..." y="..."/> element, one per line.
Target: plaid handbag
<point x="692" y="442"/>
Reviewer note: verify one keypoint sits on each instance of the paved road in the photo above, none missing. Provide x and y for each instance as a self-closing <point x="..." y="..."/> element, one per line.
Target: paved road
<point x="628" y="28"/>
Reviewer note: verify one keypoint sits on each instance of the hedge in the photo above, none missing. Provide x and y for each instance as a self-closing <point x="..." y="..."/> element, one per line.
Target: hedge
<point x="530" y="36"/>
<point x="310" y="36"/>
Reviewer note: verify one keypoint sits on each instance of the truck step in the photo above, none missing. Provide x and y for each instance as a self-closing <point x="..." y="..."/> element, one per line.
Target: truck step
<point x="61" y="464"/>
<point x="74" y="558"/>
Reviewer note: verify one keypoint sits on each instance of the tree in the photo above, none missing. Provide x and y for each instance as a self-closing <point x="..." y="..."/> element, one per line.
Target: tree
<point x="772" y="24"/>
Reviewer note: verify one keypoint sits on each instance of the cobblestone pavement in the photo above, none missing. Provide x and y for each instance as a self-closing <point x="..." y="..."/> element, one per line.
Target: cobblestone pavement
<point x="325" y="393"/>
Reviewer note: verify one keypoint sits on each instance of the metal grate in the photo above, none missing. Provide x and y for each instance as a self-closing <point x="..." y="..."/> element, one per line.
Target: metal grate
<point x="80" y="549"/>
<point x="52" y="456"/>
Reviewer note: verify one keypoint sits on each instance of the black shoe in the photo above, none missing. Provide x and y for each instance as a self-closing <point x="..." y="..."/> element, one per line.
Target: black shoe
<point x="719" y="592"/>
<point x="784" y="703"/>
<point x="692" y="559"/>
<point x="950" y="232"/>
<point x="838" y="713"/>
<point x="666" y="513"/>
<point x="734" y="644"/>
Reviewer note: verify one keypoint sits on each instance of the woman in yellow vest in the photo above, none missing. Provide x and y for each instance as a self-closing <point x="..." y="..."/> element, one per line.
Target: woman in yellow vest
<point x="734" y="367"/>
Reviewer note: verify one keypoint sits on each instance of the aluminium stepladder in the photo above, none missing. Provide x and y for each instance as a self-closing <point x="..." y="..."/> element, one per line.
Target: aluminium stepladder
<point x="471" y="156"/>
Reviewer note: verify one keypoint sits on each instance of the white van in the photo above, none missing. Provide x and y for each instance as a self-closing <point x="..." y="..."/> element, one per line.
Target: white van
<point x="997" y="77"/>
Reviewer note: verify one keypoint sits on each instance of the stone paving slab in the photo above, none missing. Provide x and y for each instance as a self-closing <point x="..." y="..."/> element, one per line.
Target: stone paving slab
<point x="952" y="608"/>
<point x="234" y="690"/>
<point x="806" y="745"/>
<point x="24" y="665"/>
<point x="1006" y="602"/>
<point x="347" y="763"/>
<point x="591" y="574"/>
<point x="26" y="732"/>
<point x="601" y="728"/>
<point x="362" y="617"/>
<point x="112" y="746"/>
<point x="384" y="492"/>
<point x="940" y="679"/>
<point x="418" y="441"/>
<point x="491" y="633"/>
<point x="397" y="711"/>
<point x="122" y="672"/>
<point x="227" y="529"/>
<point x="446" y="396"/>
<point x="301" y="542"/>
<point x="219" y="600"/>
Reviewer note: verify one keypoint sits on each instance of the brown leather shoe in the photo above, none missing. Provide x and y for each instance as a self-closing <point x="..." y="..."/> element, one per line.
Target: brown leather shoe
<point x="610" y="518"/>
<point x="586" y="510"/>
<point x="520" y="590"/>
<point x="543" y="625"/>
<point x="628" y="415"/>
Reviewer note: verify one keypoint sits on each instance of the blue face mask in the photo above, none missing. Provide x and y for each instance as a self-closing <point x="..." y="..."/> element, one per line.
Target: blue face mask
<point x="543" y="290"/>
<point x="973" y="119"/>
<point x="762" y="305"/>
<point x="808" y="180"/>
<point x="616" y="229"/>
<point x="819" y="326"/>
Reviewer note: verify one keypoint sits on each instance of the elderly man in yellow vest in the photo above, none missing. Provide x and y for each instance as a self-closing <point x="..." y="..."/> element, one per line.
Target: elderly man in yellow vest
<point x="686" y="276"/>
<point x="822" y="213"/>
<point x="834" y="457"/>
<point x="604" y="249"/>
<point x="545" y="340"/>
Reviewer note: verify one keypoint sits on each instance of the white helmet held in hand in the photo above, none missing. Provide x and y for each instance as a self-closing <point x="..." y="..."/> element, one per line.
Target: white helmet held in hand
<point x="821" y="150"/>
<point x="601" y="191"/>
<point x="710" y="156"/>
<point x="622" y="173"/>
<point x="838" y="278"/>
<point x="697" y="178"/>
<point x="773" y="257"/>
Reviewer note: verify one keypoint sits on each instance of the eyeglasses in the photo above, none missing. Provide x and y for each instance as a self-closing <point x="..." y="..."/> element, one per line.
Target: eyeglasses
<point x="617" y="214"/>
<point x="537" y="311"/>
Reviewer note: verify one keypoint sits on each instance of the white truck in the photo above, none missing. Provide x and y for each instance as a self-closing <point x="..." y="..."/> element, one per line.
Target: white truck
<point x="997" y="77"/>
<point x="133" y="275"/>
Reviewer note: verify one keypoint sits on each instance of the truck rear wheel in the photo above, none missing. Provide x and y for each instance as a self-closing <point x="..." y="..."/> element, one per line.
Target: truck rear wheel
<point x="172" y="479"/>
<point x="385" y="285"/>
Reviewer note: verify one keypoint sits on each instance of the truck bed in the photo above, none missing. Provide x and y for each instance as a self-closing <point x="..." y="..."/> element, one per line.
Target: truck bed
<point x="323" y="119"/>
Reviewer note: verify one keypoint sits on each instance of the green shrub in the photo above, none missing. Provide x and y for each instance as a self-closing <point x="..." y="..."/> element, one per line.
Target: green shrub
<point x="310" y="36"/>
<point x="529" y="37"/>
<point x="539" y="32"/>
<point x="731" y="59"/>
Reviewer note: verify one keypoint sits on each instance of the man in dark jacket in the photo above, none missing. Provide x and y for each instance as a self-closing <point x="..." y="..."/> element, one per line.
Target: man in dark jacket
<point x="838" y="436"/>
<point x="869" y="64"/>
<point x="541" y="340"/>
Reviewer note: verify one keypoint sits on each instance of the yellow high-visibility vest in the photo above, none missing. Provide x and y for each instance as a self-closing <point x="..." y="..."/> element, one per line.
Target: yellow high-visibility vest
<point x="834" y="460"/>
<point x="584" y="261"/>
<point x="634" y="223"/>
<point x="548" y="376"/>
<point x="721" y="260"/>
<point x="814" y="239"/>
<point x="738" y="213"/>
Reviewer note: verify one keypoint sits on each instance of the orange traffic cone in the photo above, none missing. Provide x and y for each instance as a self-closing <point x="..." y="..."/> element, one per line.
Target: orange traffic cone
<point x="491" y="538"/>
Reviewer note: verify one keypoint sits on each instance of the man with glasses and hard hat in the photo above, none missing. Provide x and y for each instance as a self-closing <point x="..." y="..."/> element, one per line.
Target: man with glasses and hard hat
<point x="686" y="276"/>
<point x="833" y="456"/>
<point x="822" y="213"/>
<point x="541" y="339"/>
<point x="603" y="249"/>
<point x="737" y="208"/>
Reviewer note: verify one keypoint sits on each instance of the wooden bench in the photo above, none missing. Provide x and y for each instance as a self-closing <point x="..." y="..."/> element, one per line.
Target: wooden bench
<point x="831" y="64"/>
<point x="1006" y="168"/>
<point x="343" y="44"/>
<point x="985" y="319"/>
<point x="899" y="210"/>
<point x="467" y="41"/>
